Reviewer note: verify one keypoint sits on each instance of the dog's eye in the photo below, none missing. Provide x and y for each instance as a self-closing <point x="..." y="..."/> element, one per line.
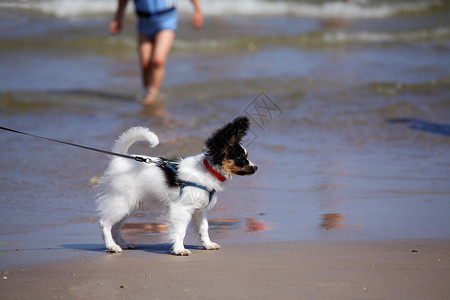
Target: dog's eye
<point x="240" y="161"/>
<point x="243" y="160"/>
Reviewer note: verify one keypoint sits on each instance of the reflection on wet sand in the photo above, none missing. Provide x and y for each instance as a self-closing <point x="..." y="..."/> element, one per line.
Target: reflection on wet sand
<point x="251" y="224"/>
<point x="145" y="228"/>
<point x="229" y="223"/>
<point x="157" y="108"/>
<point x="332" y="221"/>
<point x="340" y="222"/>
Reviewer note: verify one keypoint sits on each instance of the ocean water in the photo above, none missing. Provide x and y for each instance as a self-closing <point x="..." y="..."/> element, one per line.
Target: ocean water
<point x="349" y="104"/>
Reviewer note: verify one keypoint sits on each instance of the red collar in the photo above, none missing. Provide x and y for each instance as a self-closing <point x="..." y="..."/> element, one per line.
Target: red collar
<point x="212" y="171"/>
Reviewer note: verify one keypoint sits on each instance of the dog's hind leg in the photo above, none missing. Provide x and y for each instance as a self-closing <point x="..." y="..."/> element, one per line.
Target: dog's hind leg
<point x="201" y="224"/>
<point x="117" y="236"/>
<point x="106" y="227"/>
<point x="112" y="218"/>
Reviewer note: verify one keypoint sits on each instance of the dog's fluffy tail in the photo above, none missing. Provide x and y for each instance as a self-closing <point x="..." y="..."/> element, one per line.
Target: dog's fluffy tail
<point x="133" y="135"/>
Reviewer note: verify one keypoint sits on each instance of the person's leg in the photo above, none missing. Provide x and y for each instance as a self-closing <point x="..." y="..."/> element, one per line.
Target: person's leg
<point x="160" y="50"/>
<point x="145" y="48"/>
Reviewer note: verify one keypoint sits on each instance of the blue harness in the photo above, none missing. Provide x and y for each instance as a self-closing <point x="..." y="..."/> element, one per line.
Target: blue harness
<point x="183" y="184"/>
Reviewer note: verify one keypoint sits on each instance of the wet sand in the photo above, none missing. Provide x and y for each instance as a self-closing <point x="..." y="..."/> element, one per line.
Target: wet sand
<point x="402" y="269"/>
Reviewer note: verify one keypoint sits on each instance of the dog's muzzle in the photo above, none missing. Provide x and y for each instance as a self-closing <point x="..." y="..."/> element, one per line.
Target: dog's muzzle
<point x="248" y="171"/>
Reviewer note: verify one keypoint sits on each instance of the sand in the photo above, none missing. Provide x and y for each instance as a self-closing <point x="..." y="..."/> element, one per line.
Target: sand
<point x="402" y="269"/>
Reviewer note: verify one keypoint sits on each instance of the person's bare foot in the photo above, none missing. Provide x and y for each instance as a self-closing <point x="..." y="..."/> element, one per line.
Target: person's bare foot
<point x="149" y="98"/>
<point x="154" y="108"/>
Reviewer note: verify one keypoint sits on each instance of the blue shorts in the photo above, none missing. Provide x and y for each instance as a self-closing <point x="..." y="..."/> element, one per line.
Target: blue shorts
<point x="151" y="25"/>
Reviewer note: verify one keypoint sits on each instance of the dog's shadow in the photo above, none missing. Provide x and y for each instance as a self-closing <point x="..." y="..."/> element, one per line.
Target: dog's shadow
<point x="85" y="247"/>
<point x="163" y="248"/>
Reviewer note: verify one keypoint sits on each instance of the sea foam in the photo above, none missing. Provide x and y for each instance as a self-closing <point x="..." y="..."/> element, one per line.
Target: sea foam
<point x="355" y="9"/>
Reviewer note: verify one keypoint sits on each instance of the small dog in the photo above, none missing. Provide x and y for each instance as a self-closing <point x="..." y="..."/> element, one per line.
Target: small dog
<point x="186" y="186"/>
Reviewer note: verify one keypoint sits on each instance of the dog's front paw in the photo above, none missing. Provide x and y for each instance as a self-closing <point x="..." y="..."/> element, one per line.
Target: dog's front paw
<point x="115" y="249"/>
<point x="180" y="252"/>
<point x="211" y="246"/>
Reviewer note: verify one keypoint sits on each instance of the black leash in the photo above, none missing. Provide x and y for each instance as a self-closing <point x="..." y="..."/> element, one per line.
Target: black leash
<point x="136" y="158"/>
<point x="167" y="164"/>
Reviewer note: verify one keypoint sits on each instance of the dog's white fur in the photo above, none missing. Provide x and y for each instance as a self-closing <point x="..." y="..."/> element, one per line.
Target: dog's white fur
<point x="126" y="183"/>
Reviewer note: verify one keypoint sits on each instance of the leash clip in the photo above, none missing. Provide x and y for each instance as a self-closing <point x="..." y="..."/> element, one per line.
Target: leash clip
<point x="142" y="159"/>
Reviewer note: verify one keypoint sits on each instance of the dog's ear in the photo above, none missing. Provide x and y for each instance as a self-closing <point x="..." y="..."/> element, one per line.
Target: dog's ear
<point x="236" y="130"/>
<point x="227" y="136"/>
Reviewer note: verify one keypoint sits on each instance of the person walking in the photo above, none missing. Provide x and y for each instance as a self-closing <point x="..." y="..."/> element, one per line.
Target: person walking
<point x="157" y="23"/>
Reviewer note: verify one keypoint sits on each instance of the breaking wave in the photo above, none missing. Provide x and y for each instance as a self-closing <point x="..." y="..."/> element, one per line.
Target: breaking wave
<point x="316" y="39"/>
<point x="355" y="9"/>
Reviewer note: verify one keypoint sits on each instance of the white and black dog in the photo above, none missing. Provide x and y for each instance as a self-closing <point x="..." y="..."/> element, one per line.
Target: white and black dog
<point x="186" y="186"/>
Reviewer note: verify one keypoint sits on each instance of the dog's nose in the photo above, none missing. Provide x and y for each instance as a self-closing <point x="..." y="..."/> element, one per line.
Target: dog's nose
<point x="255" y="168"/>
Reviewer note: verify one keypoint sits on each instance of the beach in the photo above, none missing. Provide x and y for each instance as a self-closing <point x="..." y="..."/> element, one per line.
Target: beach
<point x="349" y="108"/>
<point x="287" y="270"/>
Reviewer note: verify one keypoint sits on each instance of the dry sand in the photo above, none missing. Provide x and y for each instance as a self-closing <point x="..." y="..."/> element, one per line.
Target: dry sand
<point x="405" y="269"/>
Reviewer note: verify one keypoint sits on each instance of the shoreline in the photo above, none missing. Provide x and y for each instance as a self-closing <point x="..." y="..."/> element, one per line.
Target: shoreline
<point x="383" y="269"/>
